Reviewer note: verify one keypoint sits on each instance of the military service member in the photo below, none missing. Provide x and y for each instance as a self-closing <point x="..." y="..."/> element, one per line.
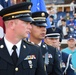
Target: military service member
<point x="53" y="38"/>
<point x="23" y="58"/>
<point x="49" y="53"/>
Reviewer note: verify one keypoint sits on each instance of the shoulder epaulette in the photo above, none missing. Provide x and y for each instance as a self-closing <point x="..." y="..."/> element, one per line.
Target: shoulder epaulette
<point x="28" y="42"/>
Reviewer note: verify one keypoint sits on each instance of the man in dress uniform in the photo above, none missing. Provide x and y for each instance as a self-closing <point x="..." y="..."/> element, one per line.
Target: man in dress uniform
<point x="38" y="32"/>
<point x="53" y="38"/>
<point x="18" y="57"/>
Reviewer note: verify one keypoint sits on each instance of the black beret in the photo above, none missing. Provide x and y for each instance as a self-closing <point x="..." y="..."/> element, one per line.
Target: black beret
<point x="39" y="18"/>
<point x="18" y="11"/>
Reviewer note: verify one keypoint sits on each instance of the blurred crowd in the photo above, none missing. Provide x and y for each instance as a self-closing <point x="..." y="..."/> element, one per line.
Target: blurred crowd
<point x="64" y="20"/>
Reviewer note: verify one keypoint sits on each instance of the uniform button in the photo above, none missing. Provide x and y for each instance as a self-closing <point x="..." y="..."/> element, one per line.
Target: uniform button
<point x="16" y="69"/>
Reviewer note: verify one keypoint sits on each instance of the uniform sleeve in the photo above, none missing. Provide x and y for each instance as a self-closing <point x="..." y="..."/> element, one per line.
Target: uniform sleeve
<point x="56" y="67"/>
<point x="40" y="65"/>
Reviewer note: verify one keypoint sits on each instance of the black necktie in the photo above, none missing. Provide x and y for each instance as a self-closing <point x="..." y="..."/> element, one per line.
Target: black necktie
<point x="14" y="54"/>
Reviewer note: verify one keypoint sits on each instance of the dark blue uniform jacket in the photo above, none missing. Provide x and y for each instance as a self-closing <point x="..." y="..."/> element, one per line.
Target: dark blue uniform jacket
<point x="30" y="61"/>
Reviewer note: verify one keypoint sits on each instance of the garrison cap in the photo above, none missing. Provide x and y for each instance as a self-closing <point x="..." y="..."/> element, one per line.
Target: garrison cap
<point x="40" y="18"/>
<point x="20" y="11"/>
<point x="54" y="32"/>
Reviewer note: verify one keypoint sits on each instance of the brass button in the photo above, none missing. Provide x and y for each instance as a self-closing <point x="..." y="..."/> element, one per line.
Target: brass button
<point x="16" y="69"/>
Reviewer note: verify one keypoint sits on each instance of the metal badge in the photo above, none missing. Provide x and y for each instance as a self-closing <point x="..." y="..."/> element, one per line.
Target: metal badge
<point x="53" y="29"/>
<point x="30" y="63"/>
<point x="42" y="14"/>
<point x="13" y="16"/>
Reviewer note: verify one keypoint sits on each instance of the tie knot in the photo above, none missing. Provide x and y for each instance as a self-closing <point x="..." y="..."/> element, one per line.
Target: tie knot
<point x="14" y="47"/>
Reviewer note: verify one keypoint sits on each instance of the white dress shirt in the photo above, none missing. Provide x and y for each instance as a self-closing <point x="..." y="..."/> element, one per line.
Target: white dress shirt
<point x="64" y="30"/>
<point x="9" y="46"/>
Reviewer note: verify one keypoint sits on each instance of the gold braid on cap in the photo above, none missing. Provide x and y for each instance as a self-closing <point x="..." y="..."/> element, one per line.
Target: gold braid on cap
<point x="17" y="12"/>
<point x="39" y="18"/>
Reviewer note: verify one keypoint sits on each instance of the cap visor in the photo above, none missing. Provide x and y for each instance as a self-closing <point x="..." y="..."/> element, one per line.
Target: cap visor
<point x="39" y="24"/>
<point x="26" y="19"/>
<point x="53" y="37"/>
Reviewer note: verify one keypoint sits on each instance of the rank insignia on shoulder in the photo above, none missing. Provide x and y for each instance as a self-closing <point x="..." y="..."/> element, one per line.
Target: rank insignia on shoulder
<point x="28" y="42"/>
<point x="24" y="46"/>
<point x="1" y="46"/>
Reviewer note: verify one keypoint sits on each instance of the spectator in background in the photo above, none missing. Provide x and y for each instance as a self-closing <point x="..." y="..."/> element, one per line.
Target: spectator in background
<point x="71" y="21"/>
<point x="65" y="29"/>
<point x="67" y="17"/>
<point x="59" y="23"/>
<point x="71" y="49"/>
<point x="72" y="8"/>
<point x="75" y="6"/>
<point x="74" y="20"/>
<point x="75" y="17"/>
<point x="53" y="11"/>
<point x="51" y="19"/>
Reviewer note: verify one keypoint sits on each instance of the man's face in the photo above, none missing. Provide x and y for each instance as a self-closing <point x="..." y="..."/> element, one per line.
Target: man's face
<point x="22" y="28"/>
<point x="71" y="43"/>
<point x="67" y="14"/>
<point x="51" y="19"/>
<point x="38" y="32"/>
<point x="52" y="41"/>
<point x="63" y="23"/>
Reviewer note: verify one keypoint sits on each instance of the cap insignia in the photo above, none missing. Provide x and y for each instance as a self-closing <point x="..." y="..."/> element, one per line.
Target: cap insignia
<point x="53" y="28"/>
<point x="42" y="14"/>
<point x="13" y="16"/>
